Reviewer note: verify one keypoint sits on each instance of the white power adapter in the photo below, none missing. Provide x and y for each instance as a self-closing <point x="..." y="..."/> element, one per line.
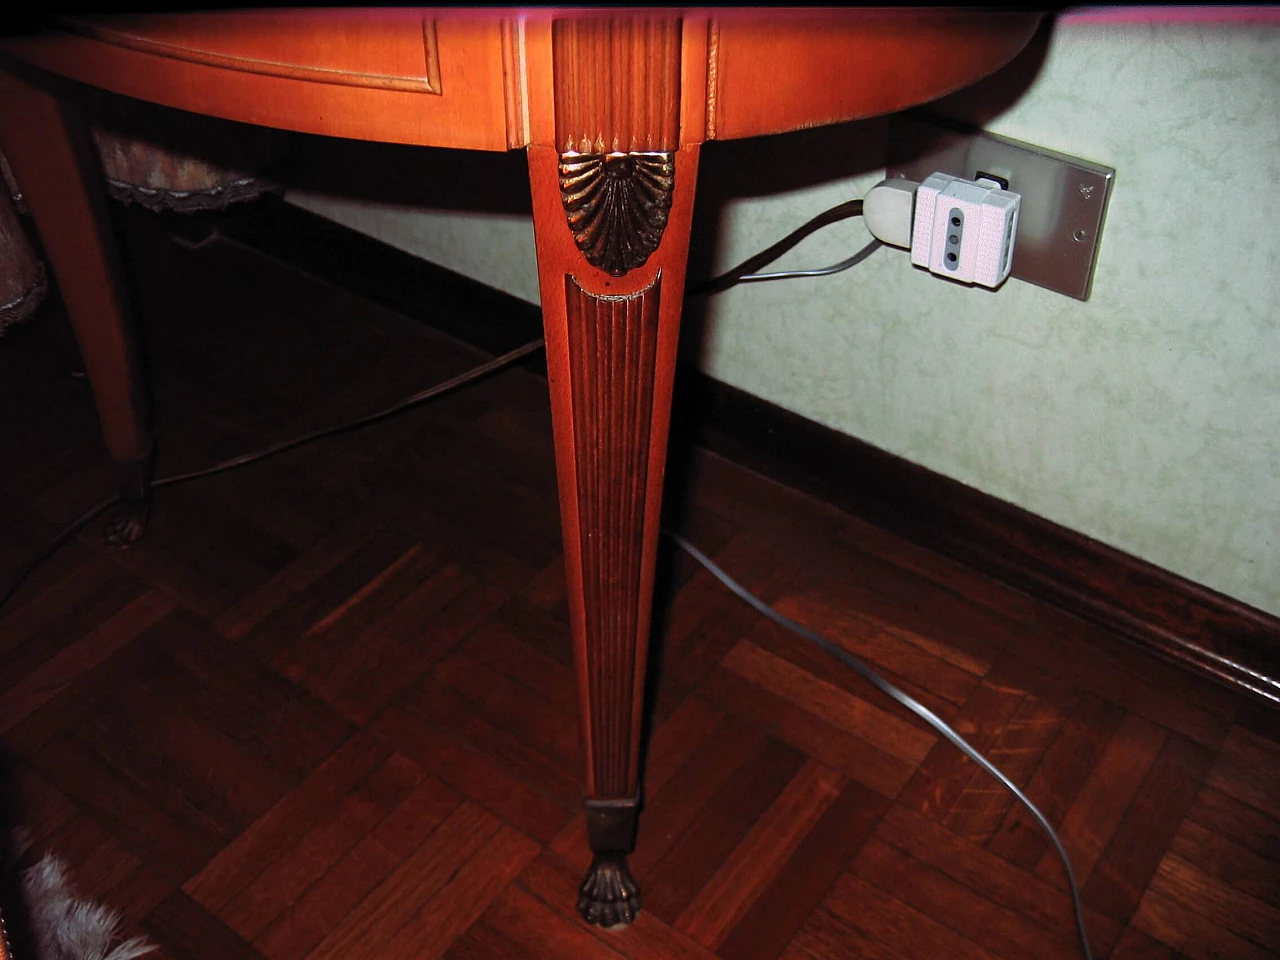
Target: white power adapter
<point x="964" y="230"/>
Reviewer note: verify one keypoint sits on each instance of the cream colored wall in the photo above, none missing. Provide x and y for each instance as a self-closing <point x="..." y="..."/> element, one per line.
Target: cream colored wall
<point x="1146" y="418"/>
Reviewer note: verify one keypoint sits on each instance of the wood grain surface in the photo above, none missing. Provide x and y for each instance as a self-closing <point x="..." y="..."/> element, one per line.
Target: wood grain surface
<point x="479" y="79"/>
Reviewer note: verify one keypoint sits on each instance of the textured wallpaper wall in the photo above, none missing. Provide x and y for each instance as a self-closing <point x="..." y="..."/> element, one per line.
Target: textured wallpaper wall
<point x="1146" y="418"/>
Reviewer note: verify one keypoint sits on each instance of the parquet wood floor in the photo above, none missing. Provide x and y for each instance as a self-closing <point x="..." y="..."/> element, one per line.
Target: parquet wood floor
<point x="326" y="710"/>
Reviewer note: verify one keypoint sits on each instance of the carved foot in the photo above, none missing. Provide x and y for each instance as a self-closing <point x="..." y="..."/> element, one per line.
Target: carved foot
<point x="609" y="896"/>
<point x="126" y="524"/>
<point x="128" y="521"/>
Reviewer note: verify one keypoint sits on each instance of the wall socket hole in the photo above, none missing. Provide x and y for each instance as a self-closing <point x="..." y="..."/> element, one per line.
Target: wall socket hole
<point x="951" y="260"/>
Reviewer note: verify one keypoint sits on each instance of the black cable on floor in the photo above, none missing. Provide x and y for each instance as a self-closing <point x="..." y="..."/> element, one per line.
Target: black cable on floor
<point x="86" y="518"/>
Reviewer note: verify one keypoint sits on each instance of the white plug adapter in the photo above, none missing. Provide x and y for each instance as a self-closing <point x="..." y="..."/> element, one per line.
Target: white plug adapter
<point x="965" y="230"/>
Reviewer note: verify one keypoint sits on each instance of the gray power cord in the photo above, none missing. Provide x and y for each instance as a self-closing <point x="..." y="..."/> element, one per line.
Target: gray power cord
<point x="919" y="709"/>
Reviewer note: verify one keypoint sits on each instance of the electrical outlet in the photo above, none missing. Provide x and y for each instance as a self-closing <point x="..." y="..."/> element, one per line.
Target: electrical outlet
<point x="1064" y="199"/>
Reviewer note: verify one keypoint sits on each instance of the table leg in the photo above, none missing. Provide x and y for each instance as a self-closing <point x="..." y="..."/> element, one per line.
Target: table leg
<point x="54" y="161"/>
<point x="611" y="350"/>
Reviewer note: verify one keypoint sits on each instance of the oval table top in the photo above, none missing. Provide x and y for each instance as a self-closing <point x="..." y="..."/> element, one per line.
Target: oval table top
<point x="498" y="79"/>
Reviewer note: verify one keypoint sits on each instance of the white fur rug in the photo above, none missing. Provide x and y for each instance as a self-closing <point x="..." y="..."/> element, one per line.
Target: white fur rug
<point x="65" y="927"/>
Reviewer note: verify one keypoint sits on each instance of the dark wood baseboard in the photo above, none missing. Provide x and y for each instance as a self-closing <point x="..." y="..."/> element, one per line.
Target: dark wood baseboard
<point x="1167" y="614"/>
<point x="1161" y="611"/>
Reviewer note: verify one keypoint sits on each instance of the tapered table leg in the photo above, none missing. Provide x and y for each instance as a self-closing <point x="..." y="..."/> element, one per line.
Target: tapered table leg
<point x="611" y="330"/>
<point x="53" y="159"/>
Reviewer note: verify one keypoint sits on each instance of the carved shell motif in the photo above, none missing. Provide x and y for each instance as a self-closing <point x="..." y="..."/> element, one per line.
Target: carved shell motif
<point x="617" y="205"/>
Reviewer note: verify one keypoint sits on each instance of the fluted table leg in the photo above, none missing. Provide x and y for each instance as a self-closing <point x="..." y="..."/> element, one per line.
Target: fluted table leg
<point x="611" y="329"/>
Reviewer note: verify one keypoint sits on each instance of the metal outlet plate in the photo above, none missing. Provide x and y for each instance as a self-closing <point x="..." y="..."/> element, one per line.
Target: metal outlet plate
<point x="1064" y="199"/>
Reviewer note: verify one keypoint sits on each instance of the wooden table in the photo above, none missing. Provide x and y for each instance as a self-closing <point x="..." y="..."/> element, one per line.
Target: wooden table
<point x="611" y="107"/>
